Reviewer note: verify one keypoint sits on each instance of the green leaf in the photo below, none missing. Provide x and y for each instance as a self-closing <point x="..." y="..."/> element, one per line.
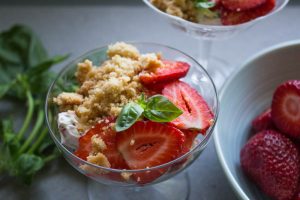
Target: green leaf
<point x="160" y="109"/>
<point x="45" y="65"/>
<point x="142" y="101"/>
<point x="8" y="136"/>
<point x="26" y="166"/>
<point x="205" y="4"/>
<point x="20" y="50"/>
<point x="4" y="88"/>
<point x="130" y="113"/>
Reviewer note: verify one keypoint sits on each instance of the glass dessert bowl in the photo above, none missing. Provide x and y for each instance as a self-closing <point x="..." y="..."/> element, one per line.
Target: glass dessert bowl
<point x="206" y="34"/>
<point x="131" y="179"/>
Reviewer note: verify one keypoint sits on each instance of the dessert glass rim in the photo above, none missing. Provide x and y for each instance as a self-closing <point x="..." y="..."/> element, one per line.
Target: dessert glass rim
<point x="202" y="143"/>
<point x="216" y="27"/>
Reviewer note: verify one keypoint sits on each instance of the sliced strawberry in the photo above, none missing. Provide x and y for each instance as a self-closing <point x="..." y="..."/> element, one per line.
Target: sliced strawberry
<point x="240" y="5"/>
<point x="190" y="136"/>
<point x="109" y="137"/>
<point x="229" y="17"/>
<point x="263" y="121"/>
<point x="286" y="108"/>
<point x="157" y="87"/>
<point x="196" y="113"/>
<point x="148" y="144"/>
<point x="172" y="70"/>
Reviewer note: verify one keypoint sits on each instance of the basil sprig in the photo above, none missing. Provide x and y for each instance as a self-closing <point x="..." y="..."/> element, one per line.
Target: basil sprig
<point x="157" y="108"/>
<point x="160" y="109"/>
<point x="205" y="4"/>
<point x="128" y="116"/>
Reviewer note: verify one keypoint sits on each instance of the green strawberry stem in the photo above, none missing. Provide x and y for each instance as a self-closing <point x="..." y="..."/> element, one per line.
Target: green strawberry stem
<point x="35" y="131"/>
<point x="28" y="115"/>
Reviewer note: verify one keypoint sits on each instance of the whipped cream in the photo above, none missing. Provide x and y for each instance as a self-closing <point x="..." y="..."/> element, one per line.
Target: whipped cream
<point x="67" y="127"/>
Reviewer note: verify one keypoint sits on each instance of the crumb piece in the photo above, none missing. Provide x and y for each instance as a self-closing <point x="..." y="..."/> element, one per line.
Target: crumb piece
<point x="126" y="175"/>
<point x="123" y="49"/>
<point x="132" y="142"/>
<point x="67" y="100"/>
<point x="150" y="61"/>
<point x="180" y="8"/>
<point x="98" y="145"/>
<point x="99" y="159"/>
<point x="83" y="69"/>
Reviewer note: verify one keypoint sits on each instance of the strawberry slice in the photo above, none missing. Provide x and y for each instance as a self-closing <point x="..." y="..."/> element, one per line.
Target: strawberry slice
<point x="229" y="17"/>
<point x="196" y="113"/>
<point x="109" y="137"/>
<point x="286" y="108"/>
<point x="148" y="144"/>
<point x="263" y="121"/>
<point x="189" y="139"/>
<point x="240" y="5"/>
<point x="172" y="70"/>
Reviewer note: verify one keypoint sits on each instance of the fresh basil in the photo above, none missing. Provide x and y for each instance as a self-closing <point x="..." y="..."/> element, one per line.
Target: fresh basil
<point x="130" y="113"/>
<point x="205" y="4"/>
<point x="157" y="108"/>
<point x="160" y="109"/>
<point x="25" y="76"/>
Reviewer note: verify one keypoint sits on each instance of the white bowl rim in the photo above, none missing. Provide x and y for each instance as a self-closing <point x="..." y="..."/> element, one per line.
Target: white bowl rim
<point x="234" y="184"/>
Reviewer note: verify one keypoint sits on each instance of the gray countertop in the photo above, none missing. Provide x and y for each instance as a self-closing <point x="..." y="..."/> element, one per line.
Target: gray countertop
<point x="77" y="28"/>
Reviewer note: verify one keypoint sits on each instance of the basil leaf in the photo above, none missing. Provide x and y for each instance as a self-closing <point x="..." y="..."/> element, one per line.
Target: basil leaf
<point x="130" y="113"/>
<point x="142" y="101"/>
<point x="205" y="4"/>
<point x="27" y="165"/>
<point x="4" y="89"/>
<point x="160" y="109"/>
<point x="45" y="65"/>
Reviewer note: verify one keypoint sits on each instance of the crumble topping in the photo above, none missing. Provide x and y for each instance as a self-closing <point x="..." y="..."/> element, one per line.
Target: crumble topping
<point x="98" y="145"/>
<point x="104" y="90"/>
<point x="181" y="8"/>
<point x="99" y="159"/>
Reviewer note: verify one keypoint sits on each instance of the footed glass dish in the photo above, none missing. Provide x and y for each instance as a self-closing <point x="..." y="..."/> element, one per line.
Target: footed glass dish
<point x="108" y="183"/>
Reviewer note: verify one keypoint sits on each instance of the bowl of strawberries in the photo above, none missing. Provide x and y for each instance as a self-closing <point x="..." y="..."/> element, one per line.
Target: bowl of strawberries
<point x="258" y="132"/>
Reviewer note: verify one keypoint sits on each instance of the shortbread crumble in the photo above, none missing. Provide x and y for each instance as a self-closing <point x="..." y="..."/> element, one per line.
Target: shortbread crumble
<point x="104" y="90"/>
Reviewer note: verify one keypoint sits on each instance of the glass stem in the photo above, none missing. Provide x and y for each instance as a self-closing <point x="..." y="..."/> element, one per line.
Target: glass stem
<point x="204" y="52"/>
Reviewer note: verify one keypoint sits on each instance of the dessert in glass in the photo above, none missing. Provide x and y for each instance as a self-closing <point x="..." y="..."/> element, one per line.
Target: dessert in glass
<point x="212" y="20"/>
<point x="132" y="116"/>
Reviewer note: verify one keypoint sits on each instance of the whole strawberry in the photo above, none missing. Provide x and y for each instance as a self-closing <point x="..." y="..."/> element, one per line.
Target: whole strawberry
<point x="271" y="160"/>
<point x="286" y="108"/>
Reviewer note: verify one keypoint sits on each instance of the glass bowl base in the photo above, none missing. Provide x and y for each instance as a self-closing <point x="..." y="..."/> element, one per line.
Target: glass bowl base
<point x="176" y="188"/>
<point x="219" y="70"/>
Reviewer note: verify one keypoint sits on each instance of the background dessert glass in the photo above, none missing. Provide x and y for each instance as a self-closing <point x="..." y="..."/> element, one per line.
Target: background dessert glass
<point x="174" y="188"/>
<point x="205" y="35"/>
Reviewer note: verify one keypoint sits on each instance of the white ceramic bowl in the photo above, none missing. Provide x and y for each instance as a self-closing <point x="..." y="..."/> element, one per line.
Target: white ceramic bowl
<point x="247" y="93"/>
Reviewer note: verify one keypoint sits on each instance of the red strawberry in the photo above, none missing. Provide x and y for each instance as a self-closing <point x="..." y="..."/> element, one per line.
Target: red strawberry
<point x="109" y="137"/>
<point x="148" y="144"/>
<point x="240" y="5"/>
<point x="271" y="160"/>
<point x="229" y="17"/>
<point x="190" y="136"/>
<point x="196" y="113"/>
<point x="286" y="108"/>
<point x="263" y="121"/>
<point x="172" y="70"/>
<point x="297" y="194"/>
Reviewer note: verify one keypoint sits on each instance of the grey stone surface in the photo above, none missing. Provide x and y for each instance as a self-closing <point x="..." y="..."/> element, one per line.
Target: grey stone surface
<point x="76" y="29"/>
